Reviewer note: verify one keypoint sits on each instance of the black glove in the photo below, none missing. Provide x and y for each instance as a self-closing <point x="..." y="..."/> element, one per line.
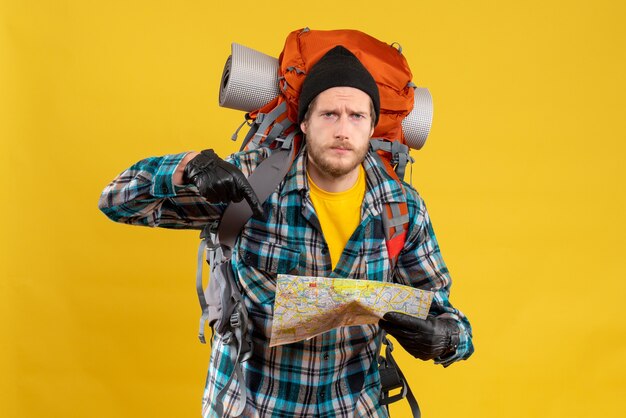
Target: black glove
<point x="219" y="181"/>
<point x="422" y="338"/>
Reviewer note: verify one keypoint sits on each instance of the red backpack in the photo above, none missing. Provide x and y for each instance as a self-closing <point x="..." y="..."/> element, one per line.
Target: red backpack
<point x="303" y="48"/>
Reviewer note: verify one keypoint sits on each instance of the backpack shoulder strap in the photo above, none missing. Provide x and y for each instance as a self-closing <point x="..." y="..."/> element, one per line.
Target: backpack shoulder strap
<point x="264" y="180"/>
<point x="396" y="215"/>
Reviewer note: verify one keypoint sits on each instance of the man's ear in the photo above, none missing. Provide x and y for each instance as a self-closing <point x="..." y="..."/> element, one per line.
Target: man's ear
<point x="303" y="127"/>
<point x="372" y="131"/>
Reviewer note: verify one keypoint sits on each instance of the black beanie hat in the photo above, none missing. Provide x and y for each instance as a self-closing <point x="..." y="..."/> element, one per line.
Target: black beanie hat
<point x="337" y="68"/>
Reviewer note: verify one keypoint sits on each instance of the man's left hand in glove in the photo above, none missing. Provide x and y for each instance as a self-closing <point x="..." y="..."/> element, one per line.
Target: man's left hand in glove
<point x="422" y="338"/>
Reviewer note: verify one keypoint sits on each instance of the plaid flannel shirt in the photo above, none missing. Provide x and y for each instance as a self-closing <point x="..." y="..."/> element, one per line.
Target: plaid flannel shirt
<point x="336" y="373"/>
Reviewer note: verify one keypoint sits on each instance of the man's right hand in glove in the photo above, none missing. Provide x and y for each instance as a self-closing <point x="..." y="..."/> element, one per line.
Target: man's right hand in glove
<point x="217" y="180"/>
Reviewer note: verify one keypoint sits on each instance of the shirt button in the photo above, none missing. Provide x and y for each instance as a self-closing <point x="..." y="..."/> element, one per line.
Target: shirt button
<point x="324" y="251"/>
<point x="322" y="395"/>
<point x="325" y="357"/>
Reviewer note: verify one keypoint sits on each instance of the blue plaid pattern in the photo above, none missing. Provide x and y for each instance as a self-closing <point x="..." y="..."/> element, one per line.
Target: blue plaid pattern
<point x="334" y="374"/>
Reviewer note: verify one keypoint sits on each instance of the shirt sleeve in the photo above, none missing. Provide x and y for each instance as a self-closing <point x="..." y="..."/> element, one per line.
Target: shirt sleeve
<point x="421" y="265"/>
<point x="145" y="194"/>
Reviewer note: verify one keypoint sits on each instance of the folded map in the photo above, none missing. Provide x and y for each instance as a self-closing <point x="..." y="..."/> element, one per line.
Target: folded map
<point x="308" y="306"/>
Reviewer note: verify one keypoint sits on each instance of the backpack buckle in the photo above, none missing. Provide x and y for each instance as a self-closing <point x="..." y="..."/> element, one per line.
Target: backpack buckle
<point x="234" y="320"/>
<point x="209" y="234"/>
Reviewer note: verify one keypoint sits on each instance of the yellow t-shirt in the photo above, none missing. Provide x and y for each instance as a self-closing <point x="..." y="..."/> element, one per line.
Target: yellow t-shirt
<point x="339" y="213"/>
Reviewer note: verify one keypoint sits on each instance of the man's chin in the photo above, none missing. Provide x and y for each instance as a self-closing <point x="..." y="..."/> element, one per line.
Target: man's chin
<point x="339" y="169"/>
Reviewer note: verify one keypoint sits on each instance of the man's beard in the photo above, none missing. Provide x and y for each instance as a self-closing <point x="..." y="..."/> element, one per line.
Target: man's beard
<point x="333" y="167"/>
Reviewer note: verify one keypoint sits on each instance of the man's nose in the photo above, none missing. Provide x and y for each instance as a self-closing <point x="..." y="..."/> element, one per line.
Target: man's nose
<point x="342" y="127"/>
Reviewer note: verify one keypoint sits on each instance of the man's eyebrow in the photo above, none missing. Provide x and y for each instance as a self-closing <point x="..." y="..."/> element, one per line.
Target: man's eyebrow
<point x="328" y="108"/>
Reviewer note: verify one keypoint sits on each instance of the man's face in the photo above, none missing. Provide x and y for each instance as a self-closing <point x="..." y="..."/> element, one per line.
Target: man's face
<point x="338" y="130"/>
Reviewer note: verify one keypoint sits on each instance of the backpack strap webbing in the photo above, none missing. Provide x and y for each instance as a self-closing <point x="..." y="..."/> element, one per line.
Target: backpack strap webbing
<point x="265" y="120"/>
<point x="399" y="154"/>
<point x="235" y="358"/>
<point x="200" y="290"/>
<point x="393" y="378"/>
<point x="395" y="223"/>
<point x="239" y="342"/>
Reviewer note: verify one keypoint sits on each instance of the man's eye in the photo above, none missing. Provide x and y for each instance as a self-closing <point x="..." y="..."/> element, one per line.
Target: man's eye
<point x="358" y="116"/>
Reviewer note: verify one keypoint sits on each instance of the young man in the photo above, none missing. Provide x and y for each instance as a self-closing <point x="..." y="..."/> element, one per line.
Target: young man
<point x="324" y="219"/>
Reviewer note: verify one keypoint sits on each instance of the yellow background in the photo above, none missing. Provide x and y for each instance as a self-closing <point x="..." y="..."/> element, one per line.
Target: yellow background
<point x="523" y="175"/>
